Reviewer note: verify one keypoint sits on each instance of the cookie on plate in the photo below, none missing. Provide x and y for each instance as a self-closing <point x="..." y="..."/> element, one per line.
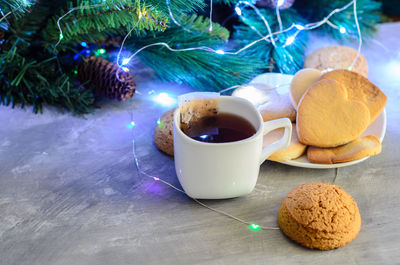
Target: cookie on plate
<point x="319" y="215"/>
<point x="357" y="149"/>
<point x="164" y="133"/>
<point x="336" y="57"/>
<point x="326" y="117"/>
<point x="278" y="106"/>
<point x="257" y="94"/>
<point x="301" y="81"/>
<point x="293" y="151"/>
<point x="360" y="88"/>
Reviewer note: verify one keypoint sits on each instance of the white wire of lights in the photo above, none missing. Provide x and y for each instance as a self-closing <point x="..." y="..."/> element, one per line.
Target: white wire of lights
<point x="268" y="37"/>
<point x="5" y="16"/>
<point x="252" y="226"/>
<point x="61" y="36"/>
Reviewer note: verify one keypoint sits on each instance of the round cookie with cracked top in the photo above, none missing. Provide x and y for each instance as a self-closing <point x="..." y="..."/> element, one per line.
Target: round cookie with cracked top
<point x="336" y="57"/>
<point x="164" y="133"/>
<point x="320" y="216"/>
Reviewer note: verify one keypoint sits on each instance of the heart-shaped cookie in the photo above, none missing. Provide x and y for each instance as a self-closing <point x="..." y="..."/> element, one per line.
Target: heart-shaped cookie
<point x="326" y="117"/>
<point x="360" y="88"/>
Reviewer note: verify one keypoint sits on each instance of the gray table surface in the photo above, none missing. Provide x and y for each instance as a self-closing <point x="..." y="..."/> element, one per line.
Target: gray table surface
<point x="70" y="192"/>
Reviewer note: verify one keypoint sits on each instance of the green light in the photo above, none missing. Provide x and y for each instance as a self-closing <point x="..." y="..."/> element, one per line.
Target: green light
<point x="159" y="123"/>
<point x="254" y="227"/>
<point x="61" y="36"/>
<point x="101" y="51"/>
<point x="76" y="72"/>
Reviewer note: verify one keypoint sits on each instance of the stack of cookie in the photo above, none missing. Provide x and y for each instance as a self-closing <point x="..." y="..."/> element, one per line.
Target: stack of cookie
<point x="333" y="111"/>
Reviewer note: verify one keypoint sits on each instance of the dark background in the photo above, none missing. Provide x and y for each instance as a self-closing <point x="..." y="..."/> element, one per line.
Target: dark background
<point x="226" y="15"/>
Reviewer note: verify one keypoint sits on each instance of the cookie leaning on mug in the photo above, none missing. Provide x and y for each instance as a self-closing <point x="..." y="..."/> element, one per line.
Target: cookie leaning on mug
<point x="319" y="215"/>
<point x="163" y="133"/>
<point x="293" y="151"/>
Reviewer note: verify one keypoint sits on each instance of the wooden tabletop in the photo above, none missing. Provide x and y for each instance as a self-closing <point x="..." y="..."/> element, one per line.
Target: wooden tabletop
<point x="70" y="192"/>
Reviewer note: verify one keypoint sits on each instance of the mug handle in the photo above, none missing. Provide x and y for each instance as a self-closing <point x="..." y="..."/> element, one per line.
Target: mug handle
<point x="282" y="143"/>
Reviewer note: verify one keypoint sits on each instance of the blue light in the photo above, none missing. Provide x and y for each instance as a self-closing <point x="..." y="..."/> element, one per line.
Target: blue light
<point x="342" y="30"/>
<point x="83" y="44"/>
<point x="164" y="99"/>
<point x="131" y="125"/>
<point x="203" y="136"/>
<point x="125" y="61"/>
<point x="289" y="40"/>
<point x="238" y="11"/>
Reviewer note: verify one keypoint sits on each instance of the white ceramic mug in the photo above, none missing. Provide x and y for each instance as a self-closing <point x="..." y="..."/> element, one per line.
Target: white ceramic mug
<point x="225" y="170"/>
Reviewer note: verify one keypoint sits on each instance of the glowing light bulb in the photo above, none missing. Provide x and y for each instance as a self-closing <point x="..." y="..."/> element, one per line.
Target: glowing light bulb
<point x="125" y="61"/>
<point x="164" y="99"/>
<point x="131" y="125"/>
<point x="342" y="30"/>
<point x="76" y="72"/>
<point x="238" y="11"/>
<point x="289" y="40"/>
<point x="83" y="44"/>
<point x="254" y="227"/>
<point x="280" y="3"/>
<point x="101" y="51"/>
<point x="299" y="27"/>
<point x="220" y="52"/>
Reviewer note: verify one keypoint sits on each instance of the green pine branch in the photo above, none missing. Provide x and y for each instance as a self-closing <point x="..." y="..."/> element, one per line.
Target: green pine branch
<point x="14" y="7"/>
<point x="25" y="81"/>
<point x="98" y="23"/>
<point x="283" y="58"/>
<point x="368" y="14"/>
<point x="200" y="69"/>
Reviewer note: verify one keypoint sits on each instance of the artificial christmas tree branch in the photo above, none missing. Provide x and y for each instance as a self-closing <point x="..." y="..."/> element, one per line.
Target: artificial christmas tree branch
<point x="36" y="71"/>
<point x="199" y="69"/>
<point x="287" y="59"/>
<point x="368" y="13"/>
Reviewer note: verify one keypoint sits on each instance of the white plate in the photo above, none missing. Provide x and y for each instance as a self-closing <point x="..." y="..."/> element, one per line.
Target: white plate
<point x="281" y="82"/>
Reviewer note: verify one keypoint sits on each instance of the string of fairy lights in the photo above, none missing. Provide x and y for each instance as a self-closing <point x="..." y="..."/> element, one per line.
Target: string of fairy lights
<point x="165" y="99"/>
<point x="268" y="38"/>
<point x="238" y="9"/>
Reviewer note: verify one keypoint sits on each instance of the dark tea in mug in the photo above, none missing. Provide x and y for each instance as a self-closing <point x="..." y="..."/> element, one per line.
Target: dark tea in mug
<point x="220" y="128"/>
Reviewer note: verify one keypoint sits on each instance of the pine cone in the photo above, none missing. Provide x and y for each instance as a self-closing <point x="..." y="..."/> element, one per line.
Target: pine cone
<point x="102" y="75"/>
